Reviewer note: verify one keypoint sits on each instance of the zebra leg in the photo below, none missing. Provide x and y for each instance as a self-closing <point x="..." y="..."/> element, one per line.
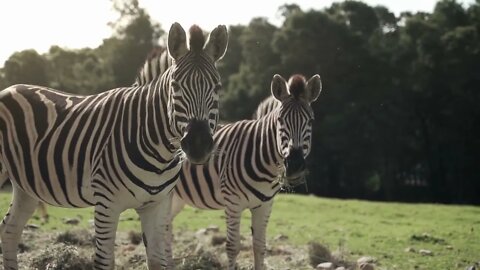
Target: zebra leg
<point x="106" y="222"/>
<point x="21" y="209"/>
<point x="260" y="216"/>
<point x="3" y="175"/>
<point x="155" y="219"/>
<point x="177" y="205"/>
<point x="233" y="236"/>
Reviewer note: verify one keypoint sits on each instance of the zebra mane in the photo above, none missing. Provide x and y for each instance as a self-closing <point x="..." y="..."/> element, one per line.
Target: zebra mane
<point x="155" y="52"/>
<point x="197" y="39"/>
<point x="297" y="85"/>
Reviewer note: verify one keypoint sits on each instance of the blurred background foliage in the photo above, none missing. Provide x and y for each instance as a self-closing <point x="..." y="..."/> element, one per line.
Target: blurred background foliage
<point x="399" y="115"/>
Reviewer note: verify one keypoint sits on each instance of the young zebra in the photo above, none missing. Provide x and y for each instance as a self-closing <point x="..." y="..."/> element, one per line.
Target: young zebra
<point x="256" y="158"/>
<point x="265" y="107"/>
<point x="116" y="150"/>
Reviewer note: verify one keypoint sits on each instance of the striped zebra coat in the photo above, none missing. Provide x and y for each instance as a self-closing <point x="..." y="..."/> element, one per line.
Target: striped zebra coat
<point x="115" y="150"/>
<point x="255" y="159"/>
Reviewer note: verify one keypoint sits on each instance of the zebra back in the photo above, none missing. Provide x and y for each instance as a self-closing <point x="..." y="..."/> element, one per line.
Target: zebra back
<point x="157" y="62"/>
<point x="265" y="107"/>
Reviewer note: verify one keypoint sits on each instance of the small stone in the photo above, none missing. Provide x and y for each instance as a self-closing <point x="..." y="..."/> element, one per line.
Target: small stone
<point x="410" y="249"/>
<point x="201" y="232"/>
<point x="449" y="247"/>
<point x="471" y="268"/>
<point x="366" y="259"/>
<point x="280" y="237"/>
<point x="32" y="226"/>
<point x="425" y="252"/>
<point x="213" y="228"/>
<point x="341" y="268"/>
<point x="72" y="221"/>
<point x="325" y="266"/>
<point x="366" y="266"/>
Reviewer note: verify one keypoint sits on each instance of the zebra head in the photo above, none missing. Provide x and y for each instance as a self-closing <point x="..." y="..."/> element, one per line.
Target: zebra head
<point x="294" y="122"/>
<point x="193" y="88"/>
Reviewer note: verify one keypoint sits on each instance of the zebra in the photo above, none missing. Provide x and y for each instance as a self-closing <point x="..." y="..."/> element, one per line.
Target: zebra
<point x="266" y="106"/>
<point x="256" y="159"/>
<point x="116" y="150"/>
<point x="156" y="63"/>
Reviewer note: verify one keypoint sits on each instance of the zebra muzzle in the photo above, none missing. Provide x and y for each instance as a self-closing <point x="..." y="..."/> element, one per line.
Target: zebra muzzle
<point x="197" y="143"/>
<point x="295" y="166"/>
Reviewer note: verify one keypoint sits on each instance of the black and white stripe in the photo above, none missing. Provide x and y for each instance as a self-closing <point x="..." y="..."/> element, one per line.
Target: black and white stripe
<point x="265" y="107"/>
<point x="255" y="159"/>
<point x="116" y="150"/>
<point x="158" y="61"/>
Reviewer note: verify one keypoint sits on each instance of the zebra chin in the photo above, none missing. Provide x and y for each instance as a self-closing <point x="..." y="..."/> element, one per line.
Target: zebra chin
<point x="197" y="144"/>
<point x="295" y="180"/>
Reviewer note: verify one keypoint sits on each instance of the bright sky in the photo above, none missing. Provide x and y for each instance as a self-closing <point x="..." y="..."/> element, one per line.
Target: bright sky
<point x="26" y="24"/>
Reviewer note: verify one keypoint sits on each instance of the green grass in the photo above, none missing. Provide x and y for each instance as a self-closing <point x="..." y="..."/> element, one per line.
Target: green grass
<point x="381" y="230"/>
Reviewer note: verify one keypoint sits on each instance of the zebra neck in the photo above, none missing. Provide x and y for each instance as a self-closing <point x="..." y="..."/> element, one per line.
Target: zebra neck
<point x="150" y="122"/>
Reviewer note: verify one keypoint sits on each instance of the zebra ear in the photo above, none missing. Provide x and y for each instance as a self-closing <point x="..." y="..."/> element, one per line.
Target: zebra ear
<point x="177" y="41"/>
<point x="217" y="43"/>
<point x="314" y="87"/>
<point x="279" y="88"/>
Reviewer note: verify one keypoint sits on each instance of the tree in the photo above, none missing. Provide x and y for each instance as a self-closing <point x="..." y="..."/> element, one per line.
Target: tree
<point x="230" y="63"/>
<point x="26" y="67"/>
<point x="134" y="37"/>
<point x="78" y="71"/>
<point x="256" y="69"/>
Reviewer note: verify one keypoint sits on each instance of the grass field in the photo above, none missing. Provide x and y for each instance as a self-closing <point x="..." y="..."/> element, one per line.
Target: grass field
<point x="358" y="228"/>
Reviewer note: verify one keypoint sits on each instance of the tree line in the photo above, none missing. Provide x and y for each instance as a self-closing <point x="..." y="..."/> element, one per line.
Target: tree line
<point x="398" y="118"/>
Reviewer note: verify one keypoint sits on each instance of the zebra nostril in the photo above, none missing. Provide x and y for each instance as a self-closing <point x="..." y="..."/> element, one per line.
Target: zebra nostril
<point x="295" y="163"/>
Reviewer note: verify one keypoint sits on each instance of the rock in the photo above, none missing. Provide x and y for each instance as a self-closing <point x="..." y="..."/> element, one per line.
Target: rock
<point x="410" y="249"/>
<point x="366" y="259"/>
<point x="280" y="237"/>
<point x="366" y="266"/>
<point x="471" y="268"/>
<point x="449" y="247"/>
<point x="213" y="228"/>
<point x="201" y="232"/>
<point x="325" y="266"/>
<point x="341" y="268"/>
<point x="425" y="252"/>
<point x="72" y="221"/>
<point x="32" y="226"/>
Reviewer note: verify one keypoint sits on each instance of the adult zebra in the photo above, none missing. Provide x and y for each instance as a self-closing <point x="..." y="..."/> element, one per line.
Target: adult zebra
<point x="116" y="150"/>
<point x="256" y="158"/>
